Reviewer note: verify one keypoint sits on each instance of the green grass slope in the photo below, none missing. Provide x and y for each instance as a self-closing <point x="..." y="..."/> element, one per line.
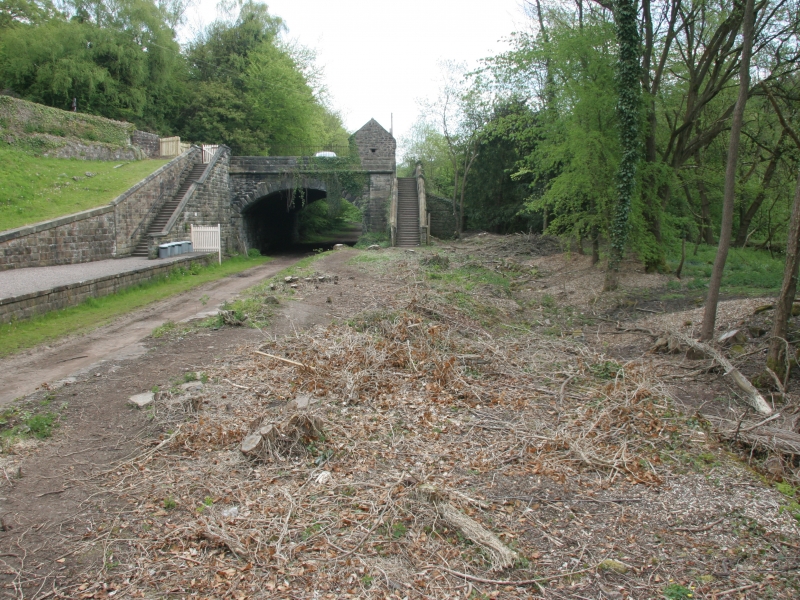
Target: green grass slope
<point x="34" y="189"/>
<point x="21" y="117"/>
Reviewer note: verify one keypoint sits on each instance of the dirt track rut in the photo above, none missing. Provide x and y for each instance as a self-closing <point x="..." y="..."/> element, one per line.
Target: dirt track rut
<point x="22" y="373"/>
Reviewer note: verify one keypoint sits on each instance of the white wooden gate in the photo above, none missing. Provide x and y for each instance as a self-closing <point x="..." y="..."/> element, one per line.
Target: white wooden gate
<point x="170" y="146"/>
<point x="207" y="239"/>
<point x="208" y="152"/>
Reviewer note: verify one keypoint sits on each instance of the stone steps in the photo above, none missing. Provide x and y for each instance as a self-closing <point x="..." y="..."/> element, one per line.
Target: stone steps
<point x="407" y="212"/>
<point x="164" y="215"/>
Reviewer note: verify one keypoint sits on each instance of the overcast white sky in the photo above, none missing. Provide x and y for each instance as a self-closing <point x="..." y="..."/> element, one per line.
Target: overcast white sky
<point x="380" y="56"/>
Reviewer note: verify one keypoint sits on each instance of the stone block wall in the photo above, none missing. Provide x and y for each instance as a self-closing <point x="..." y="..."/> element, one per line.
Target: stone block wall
<point x="149" y="143"/>
<point x="376" y="147"/>
<point x="443" y="221"/>
<point x="100" y="233"/>
<point x="36" y="303"/>
<point x="208" y="202"/>
<point x="376" y="203"/>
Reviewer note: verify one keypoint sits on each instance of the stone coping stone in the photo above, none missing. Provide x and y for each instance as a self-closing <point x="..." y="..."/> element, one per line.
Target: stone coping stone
<point x="142" y="400"/>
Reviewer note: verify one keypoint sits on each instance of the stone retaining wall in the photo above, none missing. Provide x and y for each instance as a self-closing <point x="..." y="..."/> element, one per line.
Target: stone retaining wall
<point x="443" y="221"/>
<point x="36" y="303"/>
<point x="149" y="143"/>
<point x="100" y="233"/>
<point x="82" y="150"/>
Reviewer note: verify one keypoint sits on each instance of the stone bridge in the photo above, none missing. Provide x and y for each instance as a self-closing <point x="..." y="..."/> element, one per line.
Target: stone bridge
<point x="253" y="198"/>
<point x="267" y="193"/>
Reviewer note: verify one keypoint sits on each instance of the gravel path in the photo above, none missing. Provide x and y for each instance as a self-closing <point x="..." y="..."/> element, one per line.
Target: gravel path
<point x="17" y="282"/>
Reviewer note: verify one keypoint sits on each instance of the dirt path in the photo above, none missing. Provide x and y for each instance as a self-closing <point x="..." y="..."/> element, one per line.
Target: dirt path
<point x="22" y="373"/>
<point x="50" y="499"/>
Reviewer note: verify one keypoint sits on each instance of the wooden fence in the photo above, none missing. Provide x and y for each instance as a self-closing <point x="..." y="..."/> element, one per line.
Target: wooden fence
<point x="170" y="146"/>
<point x="207" y="239"/>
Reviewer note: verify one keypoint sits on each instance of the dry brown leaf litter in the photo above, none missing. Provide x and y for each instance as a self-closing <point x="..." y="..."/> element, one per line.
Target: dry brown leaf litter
<point x="589" y="475"/>
<point x="567" y="483"/>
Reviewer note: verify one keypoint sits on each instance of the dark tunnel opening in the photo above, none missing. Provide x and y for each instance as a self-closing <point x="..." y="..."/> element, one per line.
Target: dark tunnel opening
<point x="272" y="222"/>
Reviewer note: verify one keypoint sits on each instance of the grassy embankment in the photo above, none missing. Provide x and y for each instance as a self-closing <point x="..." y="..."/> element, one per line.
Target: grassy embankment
<point x="36" y="189"/>
<point x="97" y="312"/>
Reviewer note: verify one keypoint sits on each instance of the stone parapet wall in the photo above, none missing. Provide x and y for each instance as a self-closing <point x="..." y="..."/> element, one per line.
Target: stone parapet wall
<point x="81" y="237"/>
<point x="149" y="143"/>
<point x="266" y="164"/>
<point x="100" y="233"/>
<point x="36" y="303"/>
<point x="136" y="208"/>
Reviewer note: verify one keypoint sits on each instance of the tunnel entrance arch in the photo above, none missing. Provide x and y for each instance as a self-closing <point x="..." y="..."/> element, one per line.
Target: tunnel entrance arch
<point x="269" y="220"/>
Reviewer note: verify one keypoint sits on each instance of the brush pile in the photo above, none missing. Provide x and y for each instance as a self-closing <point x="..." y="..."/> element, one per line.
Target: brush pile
<point x="412" y="453"/>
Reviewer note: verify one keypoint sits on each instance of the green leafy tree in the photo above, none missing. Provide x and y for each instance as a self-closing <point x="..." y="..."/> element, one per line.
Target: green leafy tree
<point x="122" y="64"/>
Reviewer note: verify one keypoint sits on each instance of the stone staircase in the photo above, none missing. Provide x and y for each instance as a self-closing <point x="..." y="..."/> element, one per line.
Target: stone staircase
<point x="163" y="216"/>
<point x="407" y="212"/>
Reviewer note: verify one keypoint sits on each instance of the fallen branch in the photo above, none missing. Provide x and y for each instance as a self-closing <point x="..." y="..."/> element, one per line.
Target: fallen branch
<point x="537" y="582"/>
<point x="502" y="556"/>
<point x="236" y="385"/>
<point x="286" y="360"/>
<point x="779" y="440"/>
<point x="755" y="399"/>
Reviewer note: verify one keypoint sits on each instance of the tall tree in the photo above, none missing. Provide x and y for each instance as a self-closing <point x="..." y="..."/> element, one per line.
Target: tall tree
<point x="777" y="354"/>
<point x="726" y="231"/>
<point x="462" y="112"/>
<point x="629" y="90"/>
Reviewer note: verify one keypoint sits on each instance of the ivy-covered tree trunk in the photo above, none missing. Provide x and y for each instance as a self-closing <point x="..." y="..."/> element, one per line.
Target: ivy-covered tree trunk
<point x="629" y="86"/>
<point x="710" y="312"/>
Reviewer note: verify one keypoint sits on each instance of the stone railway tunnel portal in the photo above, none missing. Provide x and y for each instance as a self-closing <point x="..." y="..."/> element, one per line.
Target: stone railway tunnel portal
<point x="268" y="193"/>
<point x="270" y="221"/>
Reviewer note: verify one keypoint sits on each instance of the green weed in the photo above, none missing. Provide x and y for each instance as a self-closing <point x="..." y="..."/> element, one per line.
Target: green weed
<point x="605" y="370"/>
<point x="675" y="591"/>
<point x="164" y="329"/>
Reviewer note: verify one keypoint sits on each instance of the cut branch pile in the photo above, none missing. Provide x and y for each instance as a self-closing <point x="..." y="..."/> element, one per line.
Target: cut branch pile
<point x="436" y="454"/>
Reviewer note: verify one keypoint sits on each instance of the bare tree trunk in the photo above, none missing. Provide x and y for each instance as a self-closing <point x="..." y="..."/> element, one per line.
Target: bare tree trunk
<point x="595" y="246"/>
<point x="710" y="313"/>
<point x="705" y="213"/>
<point x="747" y="217"/>
<point x="776" y="357"/>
